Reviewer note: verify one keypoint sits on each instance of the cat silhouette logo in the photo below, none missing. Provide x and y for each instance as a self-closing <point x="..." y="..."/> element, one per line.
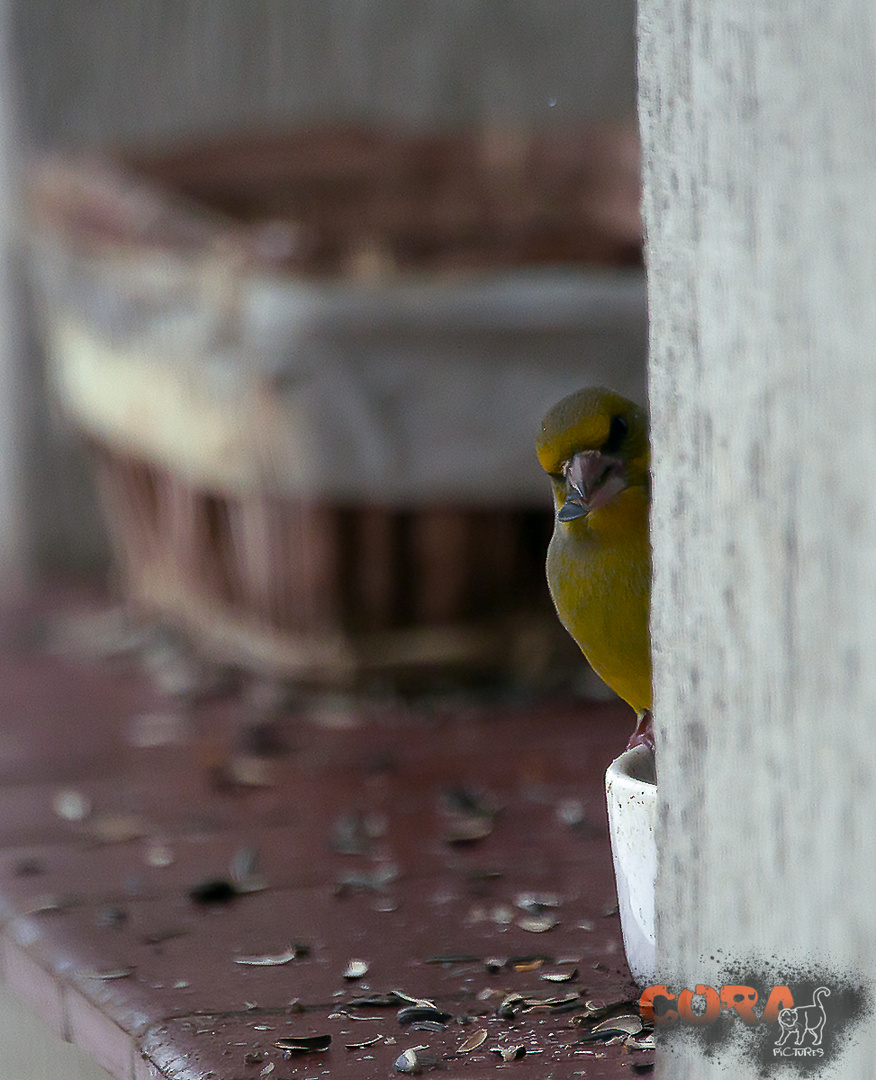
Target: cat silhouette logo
<point x="802" y="1028"/>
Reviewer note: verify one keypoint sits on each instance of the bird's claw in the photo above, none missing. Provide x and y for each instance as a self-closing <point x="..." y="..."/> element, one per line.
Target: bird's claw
<point x="644" y="733"/>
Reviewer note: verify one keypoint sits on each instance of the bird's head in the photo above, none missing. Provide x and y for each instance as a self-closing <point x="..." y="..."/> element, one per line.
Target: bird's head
<point x="594" y="446"/>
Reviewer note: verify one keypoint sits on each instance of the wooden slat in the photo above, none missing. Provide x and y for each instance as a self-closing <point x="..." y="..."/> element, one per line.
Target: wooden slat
<point x="440" y="541"/>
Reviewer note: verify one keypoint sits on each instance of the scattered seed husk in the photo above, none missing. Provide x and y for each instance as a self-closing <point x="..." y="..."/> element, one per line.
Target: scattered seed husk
<point x="245" y="870"/>
<point x="269" y="1068"/>
<point x="157" y="854"/>
<point x="609" y="1035"/>
<point x="536" y="903"/>
<point x="364" y="1043"/>
<point x="107" y="976"/>
<point x="263" y="738"/>
<point x="159" y="937"/>
<point x="619" y="1025"/>
<point x="157" y="729"/>
<point x="596" y="1010"/>
<point x="71" y="805"/>
<point x="476" y="1039"/>
<point x="348" y="836"/>
<point x="494" y="964"/>
<point x="552" y="1003"/>
<point x="408" y="1062"/>
<point x="586" y="924"/>
<point x="29" y="868"/>
<point x="304" y="1044"/>
<point x="527" y="965"/>
<point x="414" y="1013"/>
<point x="644" y="1041"/>
<point x="112" y="828"/>
<point x="609" y="910"/>
<point x="467" y="830"/>
<point x="352" y="833"/>
<point x="510" y="1006"/>
<point x="375" y="824"/>
<point x="571" y="812"/>
<point x="572" y="1005"/>
<point x="251" y="885"/>
<point x="112" y="915"/>
<point x="402" y="996"/>
<point x="519" y="963"/>
<point x="374" y="1001"/>
<point x="391" y="999"/>
<point x="245" y="862"/>
<point x="269" y="959"/>
<point x="481" y="876"/>
<point x="335" y="712"/>
<point x="538" y="924"/>
<point x="251" y="770"/>
<point x="468" y="802"/>
<point x="509" y="1053"/>
<point x="427" y="1025"/>
<point x="215" y="891"/>
<point x="384" y="904"/>
<point x="356" y="969"/>
<point x="560" y="976"/>
<point x="375" y="881"/>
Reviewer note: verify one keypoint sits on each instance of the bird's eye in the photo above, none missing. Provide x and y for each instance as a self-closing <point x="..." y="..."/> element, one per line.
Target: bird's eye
<point x="616" y="435"/>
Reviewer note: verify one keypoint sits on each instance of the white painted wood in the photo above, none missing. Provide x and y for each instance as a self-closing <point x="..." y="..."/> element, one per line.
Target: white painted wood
<point x="30" y="1050"/>
<point x="759" y="124"/>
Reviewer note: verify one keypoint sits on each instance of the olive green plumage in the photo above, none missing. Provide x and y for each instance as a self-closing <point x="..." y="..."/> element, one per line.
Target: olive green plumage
<point x="594" y="446"/>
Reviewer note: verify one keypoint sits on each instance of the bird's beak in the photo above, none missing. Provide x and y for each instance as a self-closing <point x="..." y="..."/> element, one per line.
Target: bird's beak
<point x="592" y="480"/>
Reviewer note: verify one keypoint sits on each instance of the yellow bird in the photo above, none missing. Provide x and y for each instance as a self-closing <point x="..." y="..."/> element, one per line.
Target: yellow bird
<point x="594" y="446"/>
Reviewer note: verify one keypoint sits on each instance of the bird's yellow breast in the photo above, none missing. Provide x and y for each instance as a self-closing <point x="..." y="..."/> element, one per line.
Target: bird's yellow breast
<point x="599" y="573"/>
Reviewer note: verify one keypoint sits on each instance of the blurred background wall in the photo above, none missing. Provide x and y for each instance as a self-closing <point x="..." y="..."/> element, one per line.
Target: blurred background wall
<point x="103" y="69"/>
<point x="98" y="71"/>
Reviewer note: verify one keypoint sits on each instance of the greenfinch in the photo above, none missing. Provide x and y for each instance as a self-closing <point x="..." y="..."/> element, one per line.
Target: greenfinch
<point x="594" y="446"/>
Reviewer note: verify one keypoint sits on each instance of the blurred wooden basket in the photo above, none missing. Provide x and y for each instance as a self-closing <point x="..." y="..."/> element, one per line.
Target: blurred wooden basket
<point x="310" y="369"/>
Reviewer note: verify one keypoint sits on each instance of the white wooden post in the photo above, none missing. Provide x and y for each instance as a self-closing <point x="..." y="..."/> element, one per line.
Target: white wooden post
<point x="759" y="126"/>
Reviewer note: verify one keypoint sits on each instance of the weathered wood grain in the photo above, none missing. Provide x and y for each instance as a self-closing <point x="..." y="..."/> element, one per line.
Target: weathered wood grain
<point x="759" y="125"/>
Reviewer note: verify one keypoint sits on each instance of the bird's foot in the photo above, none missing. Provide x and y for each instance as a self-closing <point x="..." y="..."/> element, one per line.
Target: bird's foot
<point x="644" y="733"/>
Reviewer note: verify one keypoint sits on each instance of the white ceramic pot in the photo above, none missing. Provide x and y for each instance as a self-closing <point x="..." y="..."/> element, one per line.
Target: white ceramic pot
<point x="631" y="795"/>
